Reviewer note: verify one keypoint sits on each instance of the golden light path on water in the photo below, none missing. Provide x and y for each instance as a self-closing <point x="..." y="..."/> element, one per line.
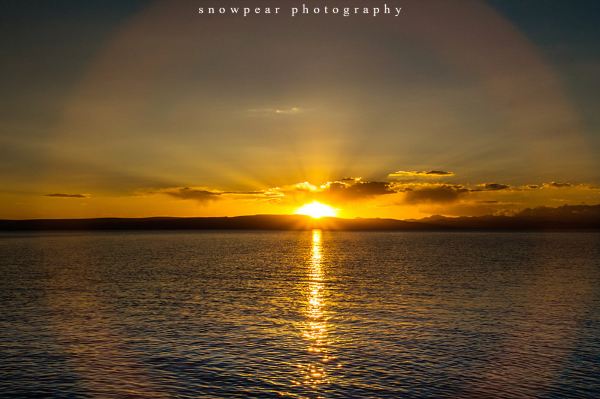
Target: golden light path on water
<point x="314" y="372"/>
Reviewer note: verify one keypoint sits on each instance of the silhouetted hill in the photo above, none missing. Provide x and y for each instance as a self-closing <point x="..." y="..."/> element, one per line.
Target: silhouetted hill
<point x="568" y="217"/>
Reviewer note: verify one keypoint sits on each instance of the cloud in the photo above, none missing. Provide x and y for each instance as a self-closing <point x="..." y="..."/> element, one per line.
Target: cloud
<point x="351" y="179"/>
<point x="556" y="185"/>
<point x="205" y="195"/>
<point x="276" y="111"/>
<point x="420" y="173"/>
<point x="442" y="193"/>
<point x="346" y="190"/>
<point x="62" y="195"/>
<point x="438" y="197"/>
<point x="563" y="213"/>
<point x="492" y="187"/>
<point x="187" y="193"/>
<point x="343" y="190"/>
<point x="468" y="207"/>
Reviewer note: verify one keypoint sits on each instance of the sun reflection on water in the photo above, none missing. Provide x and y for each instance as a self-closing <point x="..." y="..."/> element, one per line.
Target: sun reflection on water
<point x="316" y="326"/>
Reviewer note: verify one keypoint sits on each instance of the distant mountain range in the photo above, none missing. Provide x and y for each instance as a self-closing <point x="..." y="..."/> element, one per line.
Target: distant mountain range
<point x="568" y="217"/>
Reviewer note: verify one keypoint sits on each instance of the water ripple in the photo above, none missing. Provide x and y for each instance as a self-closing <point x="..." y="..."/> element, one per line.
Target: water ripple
<point x="300" y="315"/>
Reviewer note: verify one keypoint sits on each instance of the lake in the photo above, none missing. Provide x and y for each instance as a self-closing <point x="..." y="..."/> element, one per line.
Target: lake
<point x="308" y="314"/>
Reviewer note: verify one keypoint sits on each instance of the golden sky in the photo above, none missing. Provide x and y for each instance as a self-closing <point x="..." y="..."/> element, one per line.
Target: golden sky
<point x="147" y="109"/>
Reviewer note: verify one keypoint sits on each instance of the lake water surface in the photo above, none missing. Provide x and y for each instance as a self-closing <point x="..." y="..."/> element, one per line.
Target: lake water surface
<point x="306" y="314"/>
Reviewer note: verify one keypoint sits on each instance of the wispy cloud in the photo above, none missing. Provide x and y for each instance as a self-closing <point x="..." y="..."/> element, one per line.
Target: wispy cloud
<point x="427" y="196"/>
<point x="556" y="185"/>
<point x="343" y="190"/>
<point x="205" y="195"/>
<point x="63" y="195"/>
<point x="491" y="187"/>
<point x="276" y="111"/>
<point x="433" y="193"/>
<point x="420" y="173"/>
<point x="187" y="193"/>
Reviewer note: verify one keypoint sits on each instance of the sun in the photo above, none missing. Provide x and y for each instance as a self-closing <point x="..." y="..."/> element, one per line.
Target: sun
<point x="316" y="210"/>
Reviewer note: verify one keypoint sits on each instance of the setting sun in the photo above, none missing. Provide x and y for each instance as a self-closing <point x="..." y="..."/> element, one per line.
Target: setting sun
<point x="316" y="210"/>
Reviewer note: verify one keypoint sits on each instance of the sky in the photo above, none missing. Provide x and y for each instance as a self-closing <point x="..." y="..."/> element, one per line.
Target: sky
<point x="141" y="108"/>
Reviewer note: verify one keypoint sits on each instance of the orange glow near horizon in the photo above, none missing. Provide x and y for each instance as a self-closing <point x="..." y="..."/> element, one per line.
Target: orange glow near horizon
<point x="316" y="210"/>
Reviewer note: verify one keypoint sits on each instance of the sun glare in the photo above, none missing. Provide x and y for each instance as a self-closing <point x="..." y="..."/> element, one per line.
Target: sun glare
<point x="316" y="210"/>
